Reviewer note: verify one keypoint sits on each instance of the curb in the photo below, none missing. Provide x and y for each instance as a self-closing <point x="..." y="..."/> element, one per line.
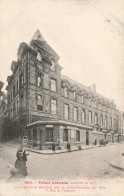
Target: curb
<point x="117" y="167"/>
<point x="31" y="150"/>
<point x="61" y="152"/>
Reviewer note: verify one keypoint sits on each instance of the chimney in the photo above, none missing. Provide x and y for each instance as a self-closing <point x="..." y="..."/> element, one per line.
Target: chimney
<point x="94" y="88"/>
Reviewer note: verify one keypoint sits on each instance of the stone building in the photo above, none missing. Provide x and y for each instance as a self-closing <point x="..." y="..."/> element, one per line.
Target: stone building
<point x="49" y="107"/>
<point x="3" y="113"/>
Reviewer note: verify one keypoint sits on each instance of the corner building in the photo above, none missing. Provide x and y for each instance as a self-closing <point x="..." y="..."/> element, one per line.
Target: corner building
<point x="49" y="107"/>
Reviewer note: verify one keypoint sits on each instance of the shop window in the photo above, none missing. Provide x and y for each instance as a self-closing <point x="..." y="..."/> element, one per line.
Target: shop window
<point x="66" y="111"/>
<point x="53" y="106"/>
<point x="65" y="135"/>
<point x="78" y="136"/>
<point x="49" y="134"/>
<point x="53" y="85"/>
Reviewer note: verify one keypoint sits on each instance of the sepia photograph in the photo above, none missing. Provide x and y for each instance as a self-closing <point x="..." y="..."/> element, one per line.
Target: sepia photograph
<point x="61" y="97"/>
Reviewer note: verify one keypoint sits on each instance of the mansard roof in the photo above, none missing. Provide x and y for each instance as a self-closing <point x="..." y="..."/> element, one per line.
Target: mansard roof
<point x="84" y="90"/>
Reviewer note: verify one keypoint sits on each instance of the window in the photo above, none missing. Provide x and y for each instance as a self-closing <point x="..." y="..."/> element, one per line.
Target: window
<point x="75" y="114"/>
<point x="49" y="134"/>
<point x="101" y="120"/>
<point x="82" y="98"/>
<point x="66" y="111"/>
<point x="11" y="95"/>
<point x="65" y="91"/>
<point x="39" y="79"/>
<point x="83" y="115"/>
<point x="39" y="56"/>
<point x="65" y="135"/>
<point x="39" y="97"/>
<point x="78" y="136"/>
<point x="110" y="119"/>
<point x="96" y="118"/>
<point x="17" y="107"/>
<point x="21" y="79"/>
<point x="39" y="105"/>
<point x="52" y="65"/>
<point x="53" y="106"/>
<point x="17" y="88"/>
<point x="89" y="101"/>
<point x="105" y="121"/>
<point x="90" y="117"/>
<point x="53" y="85"/>
<point x="95" y="105"/>
<point x="75" y="95"/>
<point x="14" y="91"/>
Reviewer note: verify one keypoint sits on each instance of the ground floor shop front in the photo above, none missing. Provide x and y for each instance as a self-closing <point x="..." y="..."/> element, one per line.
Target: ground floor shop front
<point x="42" y="135"/>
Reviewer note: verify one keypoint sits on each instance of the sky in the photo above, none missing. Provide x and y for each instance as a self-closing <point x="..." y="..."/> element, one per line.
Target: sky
<point x="88" y="35"/>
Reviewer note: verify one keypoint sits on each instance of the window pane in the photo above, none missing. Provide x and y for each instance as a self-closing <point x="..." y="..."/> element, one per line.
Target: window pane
<point x="90" y="117"/>
<point x="77" y="136"/>
<point x="65" y="135"/>
<point x="53" y="106"/>
<point x="83" y="115"/>
<point x="53" y="85"/>
<point x="52" y="65"/>
<point x="66" y="111"/>
<point x="39" y="57"/>
<point x="75" y="114"/>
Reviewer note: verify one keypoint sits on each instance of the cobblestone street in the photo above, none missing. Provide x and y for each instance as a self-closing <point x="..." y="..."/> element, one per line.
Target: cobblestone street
<point x="75" y="165"/>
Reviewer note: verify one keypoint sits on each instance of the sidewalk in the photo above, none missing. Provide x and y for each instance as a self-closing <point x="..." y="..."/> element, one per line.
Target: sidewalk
<point x="50" y="152"/>
<point x="118" y="164"/>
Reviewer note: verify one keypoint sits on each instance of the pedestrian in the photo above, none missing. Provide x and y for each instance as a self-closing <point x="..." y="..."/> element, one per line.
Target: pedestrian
<point x="95" y="142"/>
<point x="68" y="147"/>
<point x="54" y="148"/>
<point x="20" y="163"/>
<point x="79" y="146"/>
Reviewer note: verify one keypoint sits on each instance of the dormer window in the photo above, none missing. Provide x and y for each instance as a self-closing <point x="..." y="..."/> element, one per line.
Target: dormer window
<point x="39" y="58"/>
<point x="75" y="95"/>
<point x="82" y="98"/>
<point x="65" y="91"/>
<point x="89" y="102"/>
<point x="52" y="65"/>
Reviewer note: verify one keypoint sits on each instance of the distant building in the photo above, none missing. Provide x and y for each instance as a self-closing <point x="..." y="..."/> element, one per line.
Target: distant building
<point x="49" y="107"/>
<point x="3" y="112"/>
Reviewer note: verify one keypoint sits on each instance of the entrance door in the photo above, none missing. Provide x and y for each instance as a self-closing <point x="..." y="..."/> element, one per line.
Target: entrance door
<point x="87" y="138"/>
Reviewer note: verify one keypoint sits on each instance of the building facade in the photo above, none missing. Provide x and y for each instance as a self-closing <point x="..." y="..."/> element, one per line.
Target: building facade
<point x="49" y="107"/>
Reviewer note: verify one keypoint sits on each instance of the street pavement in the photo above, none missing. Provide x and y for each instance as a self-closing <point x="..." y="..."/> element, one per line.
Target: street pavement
<point x="79" y="164"/>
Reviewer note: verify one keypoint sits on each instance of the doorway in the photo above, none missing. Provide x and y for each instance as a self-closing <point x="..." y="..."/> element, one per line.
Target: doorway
<point x="87" y="137"/>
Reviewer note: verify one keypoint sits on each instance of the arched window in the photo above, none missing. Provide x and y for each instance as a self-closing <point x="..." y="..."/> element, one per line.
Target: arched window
<point x="75" y="95"/>
<point x="39" y="58"/>
<point x="65" y="91"/>
<point x="52" y="65"/>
